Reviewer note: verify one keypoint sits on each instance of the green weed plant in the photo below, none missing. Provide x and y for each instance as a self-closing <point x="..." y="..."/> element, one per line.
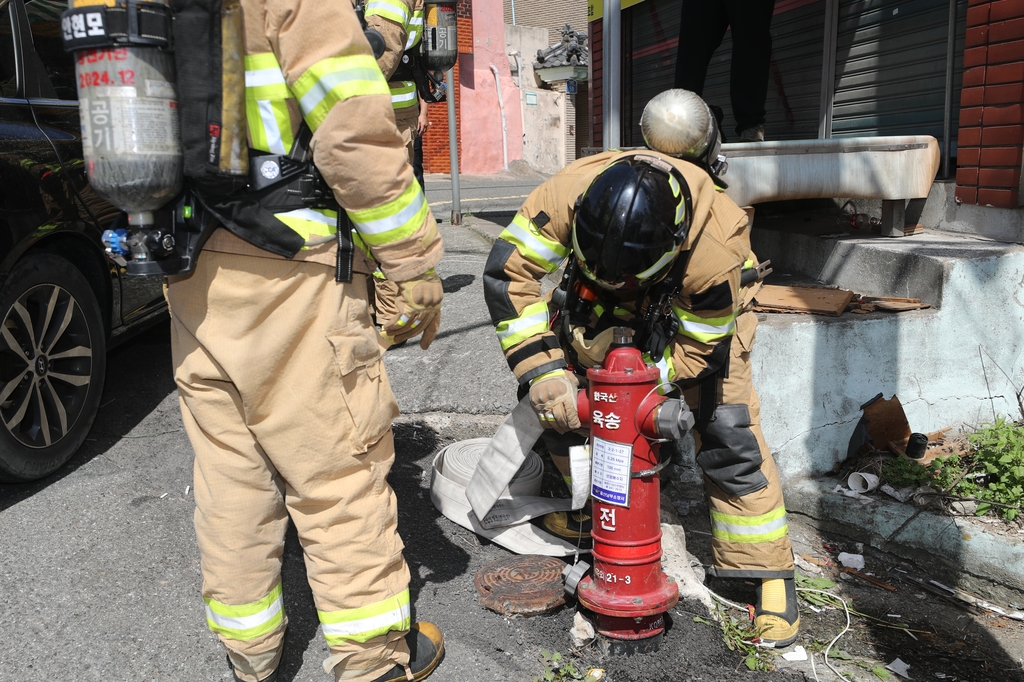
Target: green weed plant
<point x="996" y="453"/>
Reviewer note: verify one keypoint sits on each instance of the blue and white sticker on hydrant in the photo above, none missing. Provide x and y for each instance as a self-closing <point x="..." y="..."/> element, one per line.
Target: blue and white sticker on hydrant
<point x="612" y="466"/>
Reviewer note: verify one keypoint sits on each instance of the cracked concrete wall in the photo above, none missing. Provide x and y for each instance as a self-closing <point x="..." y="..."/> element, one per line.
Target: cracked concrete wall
<point x="814" y="373"/>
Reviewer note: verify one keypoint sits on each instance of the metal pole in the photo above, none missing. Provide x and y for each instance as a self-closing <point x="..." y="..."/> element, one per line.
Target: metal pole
<point x="611" y="62"/>
<point x="513" y="2"/>
<point x="947" y="118"/>
<point x="828" y="69"/>
<point x="453" y="149"/>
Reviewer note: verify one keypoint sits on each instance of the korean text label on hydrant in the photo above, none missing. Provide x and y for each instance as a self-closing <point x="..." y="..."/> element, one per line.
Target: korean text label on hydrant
<point x="612" y="466"/>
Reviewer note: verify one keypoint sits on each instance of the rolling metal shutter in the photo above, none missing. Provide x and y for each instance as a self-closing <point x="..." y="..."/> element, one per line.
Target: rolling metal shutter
<point x="794" y="81"/>
<point x="650" y="33"/>
<point x="891" y="67"/>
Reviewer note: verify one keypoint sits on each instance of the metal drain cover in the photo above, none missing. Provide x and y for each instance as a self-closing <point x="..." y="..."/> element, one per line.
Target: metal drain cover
<point x="527" y="585"/>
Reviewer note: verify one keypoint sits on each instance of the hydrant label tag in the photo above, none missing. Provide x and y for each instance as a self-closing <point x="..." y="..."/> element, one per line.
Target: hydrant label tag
<point x="612" y="465"/>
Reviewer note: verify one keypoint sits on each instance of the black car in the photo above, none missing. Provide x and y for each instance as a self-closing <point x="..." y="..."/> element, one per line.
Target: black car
<point x="63" y="301"/>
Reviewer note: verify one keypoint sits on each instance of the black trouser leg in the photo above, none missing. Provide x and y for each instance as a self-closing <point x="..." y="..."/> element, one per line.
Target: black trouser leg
<point x="701" y="30"/>
<point x="417" y="160"/>
<point x="751" y="22"/>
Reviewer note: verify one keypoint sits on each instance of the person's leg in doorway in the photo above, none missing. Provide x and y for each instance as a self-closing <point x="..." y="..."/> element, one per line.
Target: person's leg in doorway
<point x="751" y="22"/>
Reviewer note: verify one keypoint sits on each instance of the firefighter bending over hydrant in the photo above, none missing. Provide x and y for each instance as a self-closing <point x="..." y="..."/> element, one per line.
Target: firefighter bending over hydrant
<point x="283" y="391"/>
<point x="654" y="245"/>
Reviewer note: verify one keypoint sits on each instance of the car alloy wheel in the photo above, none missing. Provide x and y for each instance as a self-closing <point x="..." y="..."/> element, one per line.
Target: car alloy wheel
<point x="52" y="355"/>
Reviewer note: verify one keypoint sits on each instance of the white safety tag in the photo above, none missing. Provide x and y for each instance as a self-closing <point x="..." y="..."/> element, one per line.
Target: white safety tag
<point x="612" y="467"/>
<point x="579" y="469"/>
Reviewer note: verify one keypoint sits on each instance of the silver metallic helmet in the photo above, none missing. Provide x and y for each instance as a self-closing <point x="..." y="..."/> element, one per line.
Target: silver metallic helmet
<point x="678" y="123"/>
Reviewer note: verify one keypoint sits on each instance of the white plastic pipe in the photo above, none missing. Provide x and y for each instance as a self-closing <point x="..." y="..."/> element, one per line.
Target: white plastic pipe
<point x="501" y="106"/>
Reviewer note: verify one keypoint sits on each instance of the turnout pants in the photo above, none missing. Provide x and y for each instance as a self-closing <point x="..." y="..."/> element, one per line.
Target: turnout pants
<point x="750" y="535"/>
<point x="289" y="410"/>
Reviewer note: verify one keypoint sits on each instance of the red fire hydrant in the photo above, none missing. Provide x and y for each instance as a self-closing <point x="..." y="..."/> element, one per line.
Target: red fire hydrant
<point x="626" y="415"/>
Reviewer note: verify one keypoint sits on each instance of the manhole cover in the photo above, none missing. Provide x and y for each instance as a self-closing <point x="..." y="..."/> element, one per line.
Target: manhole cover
<point x="528" y="585"/>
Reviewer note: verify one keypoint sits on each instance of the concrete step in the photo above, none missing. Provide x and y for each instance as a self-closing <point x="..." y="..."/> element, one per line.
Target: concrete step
<point x="813" y="372"/>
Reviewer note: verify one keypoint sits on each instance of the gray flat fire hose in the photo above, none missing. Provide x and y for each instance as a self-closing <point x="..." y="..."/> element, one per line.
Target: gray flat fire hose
<point x="502" y="477"/>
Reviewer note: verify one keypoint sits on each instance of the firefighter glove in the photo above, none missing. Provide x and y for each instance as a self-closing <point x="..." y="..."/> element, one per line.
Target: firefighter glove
<point x="553" y="397"/>
<point x="419" y="310"/>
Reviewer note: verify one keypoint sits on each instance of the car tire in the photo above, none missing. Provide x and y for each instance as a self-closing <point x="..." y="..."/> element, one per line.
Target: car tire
<point x="52" y="365"/>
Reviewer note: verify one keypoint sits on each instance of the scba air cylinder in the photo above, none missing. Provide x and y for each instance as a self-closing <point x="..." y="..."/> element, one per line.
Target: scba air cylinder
<point x="131" y="137"/>
<point x="439" y="47"/>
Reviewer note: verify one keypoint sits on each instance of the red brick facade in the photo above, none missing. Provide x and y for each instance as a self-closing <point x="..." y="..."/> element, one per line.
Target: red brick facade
<point x="435" y="141"/>
<point x="992" y="105"/>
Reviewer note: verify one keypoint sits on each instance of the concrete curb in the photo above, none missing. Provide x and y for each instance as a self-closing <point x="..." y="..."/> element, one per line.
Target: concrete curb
<point x="960" y="551"/>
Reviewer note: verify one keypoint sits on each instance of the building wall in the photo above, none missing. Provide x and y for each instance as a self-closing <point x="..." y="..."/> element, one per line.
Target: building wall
<point x="549" y="14"/>
<point x="992" y="105"/>
<point x="481" y="132"/>
<point x="436" y="156"/>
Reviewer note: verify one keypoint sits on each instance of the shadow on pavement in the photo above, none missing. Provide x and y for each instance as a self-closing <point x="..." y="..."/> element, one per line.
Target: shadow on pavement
<point x="139" y="377"/>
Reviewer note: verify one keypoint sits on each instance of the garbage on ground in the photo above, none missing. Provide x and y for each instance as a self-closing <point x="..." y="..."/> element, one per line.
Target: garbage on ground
<point x="903" y="494"/>
<point x="810" y="299"/>
<point x="854" y="561"/>
<point x="900" y="668"/>
<point x="582" y="631"/>
<point x="862" y="482"/>
<point x="870" y="579"/>
<point x="797" y="654"/>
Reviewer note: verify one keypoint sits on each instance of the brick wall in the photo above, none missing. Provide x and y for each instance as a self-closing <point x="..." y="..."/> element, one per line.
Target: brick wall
<point x="992" y="105"/>
<point x="436" y="156"/>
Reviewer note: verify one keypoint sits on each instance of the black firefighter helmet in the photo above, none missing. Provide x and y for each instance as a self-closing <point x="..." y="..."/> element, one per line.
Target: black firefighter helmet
<point x="631" y="223"/>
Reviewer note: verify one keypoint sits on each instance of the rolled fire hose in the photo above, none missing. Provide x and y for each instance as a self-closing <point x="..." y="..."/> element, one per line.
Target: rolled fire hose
<point x="453" y="468"/>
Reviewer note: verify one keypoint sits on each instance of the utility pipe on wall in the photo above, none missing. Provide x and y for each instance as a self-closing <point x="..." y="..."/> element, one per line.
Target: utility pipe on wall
<point x="501" y="106"/>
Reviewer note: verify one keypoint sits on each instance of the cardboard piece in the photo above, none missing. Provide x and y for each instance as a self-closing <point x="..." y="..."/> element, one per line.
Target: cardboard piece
<point x="774" y="298"/>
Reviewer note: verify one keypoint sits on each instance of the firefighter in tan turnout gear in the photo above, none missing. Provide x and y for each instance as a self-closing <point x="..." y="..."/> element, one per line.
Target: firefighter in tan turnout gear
<point x="400" y="22"/>
<point x="653" y="244"/>
<point x="283" y="392"/>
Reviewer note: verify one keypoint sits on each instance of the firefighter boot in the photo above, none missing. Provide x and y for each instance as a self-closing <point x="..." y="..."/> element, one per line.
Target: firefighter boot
<point x="572" y="526"/>
<point x="776" y="616"/>
<point x="426" y="649"/>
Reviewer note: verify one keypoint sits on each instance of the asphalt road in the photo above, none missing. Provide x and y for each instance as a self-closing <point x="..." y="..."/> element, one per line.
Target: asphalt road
<point x="99" y="569"/>
<point x="481" y="194"/>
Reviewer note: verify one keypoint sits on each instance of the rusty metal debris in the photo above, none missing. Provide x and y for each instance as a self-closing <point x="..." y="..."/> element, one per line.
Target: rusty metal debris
<point x="526" y="585"/>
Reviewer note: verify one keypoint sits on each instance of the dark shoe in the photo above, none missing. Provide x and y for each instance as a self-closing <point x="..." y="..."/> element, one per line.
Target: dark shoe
<point x="775" y="615"/>
<point x="271" y="678"/>
<point x="426" y="649"/>
<point x="570" y="526"/>
<point x="753" y="134"/>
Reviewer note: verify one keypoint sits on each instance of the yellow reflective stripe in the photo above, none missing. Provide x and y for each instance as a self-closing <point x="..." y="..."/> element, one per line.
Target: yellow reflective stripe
<point x="704" y="329"/>
<point x="270" y="125"/>
<point x="266" y="107"/>
<point x="665" y="259"/>
<point x="367" y="622"/>
<point x="532" y="321"/>
<point x="311" y="222"/>
<point x="393" y="221"/>
<point x="397" y="12"/>
<point x="748" y="264"/>
<point x="247" y="621"/>
<point x="533" y="245"/>
<point x="263" y="77"/>
<point x="415" y="29"/>
<point x="361" y="245"/>
<point x="403" y="96"/>
<point x="750" y="529"/>
<point x="666" y="370"/>
<point x="334" y="79"/>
